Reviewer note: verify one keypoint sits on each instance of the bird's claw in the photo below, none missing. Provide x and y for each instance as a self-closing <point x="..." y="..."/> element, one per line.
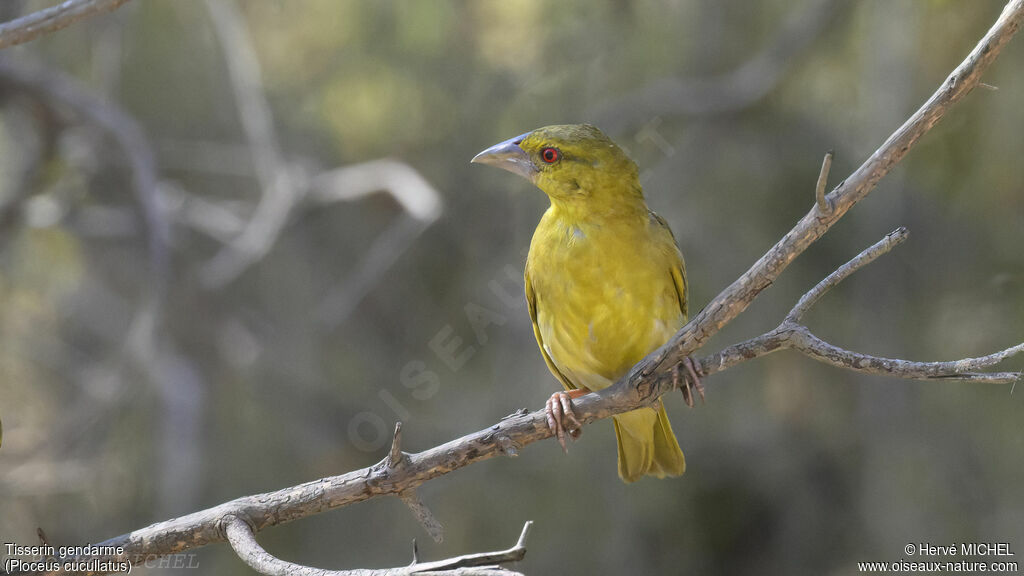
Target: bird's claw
<point x="559" y="412"/>
<point x="689" y="381"/>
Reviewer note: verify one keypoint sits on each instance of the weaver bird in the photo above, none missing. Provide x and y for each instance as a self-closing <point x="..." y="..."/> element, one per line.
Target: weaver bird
<point x="605" y="284"/>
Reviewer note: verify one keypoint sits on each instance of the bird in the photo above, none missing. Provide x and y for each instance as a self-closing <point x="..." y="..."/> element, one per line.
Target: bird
<point x="605" y="285"/>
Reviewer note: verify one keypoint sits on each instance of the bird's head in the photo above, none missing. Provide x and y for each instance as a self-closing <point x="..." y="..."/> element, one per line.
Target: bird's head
<point x="569" y="162"/>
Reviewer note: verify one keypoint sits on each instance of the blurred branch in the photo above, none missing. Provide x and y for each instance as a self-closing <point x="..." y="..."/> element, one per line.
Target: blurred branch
<point x="52" y="19"/>
<point x="281" y="193"/>
<point x="735" y="90"/>
<point x="406" y="186"/>
<point x="240" y="535"/>
<point x="422" y="205"/>
<point x="141" y="344"/>
<point x="218" y="220"/>
<point x="647" y="381"/>
<point x="278" y="196"/>
<point x="60" y="91"/>
<point x="223" y="221"/>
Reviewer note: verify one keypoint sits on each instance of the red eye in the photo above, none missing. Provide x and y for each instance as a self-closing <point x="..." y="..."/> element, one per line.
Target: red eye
<point x="550" y="155"/>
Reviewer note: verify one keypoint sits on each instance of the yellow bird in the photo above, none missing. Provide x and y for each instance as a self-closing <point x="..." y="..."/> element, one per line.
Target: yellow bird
<point x="605" y="283"/>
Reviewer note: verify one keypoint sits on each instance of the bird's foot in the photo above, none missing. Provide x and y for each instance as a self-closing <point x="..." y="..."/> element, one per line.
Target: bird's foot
<point x="559" y="412"/>
<point x="689" y="381"/>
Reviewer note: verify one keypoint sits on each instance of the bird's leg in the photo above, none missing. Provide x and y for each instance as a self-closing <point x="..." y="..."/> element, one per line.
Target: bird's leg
<point x="559" y="412"/>
<point x="690" y="381"/>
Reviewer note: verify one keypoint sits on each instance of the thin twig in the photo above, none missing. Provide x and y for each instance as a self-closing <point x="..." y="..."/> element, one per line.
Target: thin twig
<point x="243" y="541"/>
<point x="883" y="246"/>
<point x="423" y="514"/>
<point x="513" y="554"/>
<point x="793" y="335"/>
<point x="810" y="345"/>
<point x="51" y="19"/>
<point x="395" y="456"/>
<point x="798" y="337"/>
<point x="819" y="188"/>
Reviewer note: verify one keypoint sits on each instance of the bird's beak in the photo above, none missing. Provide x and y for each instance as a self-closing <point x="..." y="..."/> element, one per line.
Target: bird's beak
<point x="509" y="156"/>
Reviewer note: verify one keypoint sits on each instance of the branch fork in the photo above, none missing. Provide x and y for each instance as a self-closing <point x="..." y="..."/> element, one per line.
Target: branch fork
<point x="395" y="461"/>
<point x="793" y="334"/>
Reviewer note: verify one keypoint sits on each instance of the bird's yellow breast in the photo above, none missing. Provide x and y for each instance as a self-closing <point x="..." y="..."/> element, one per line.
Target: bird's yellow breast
<point x="604" y="292"/>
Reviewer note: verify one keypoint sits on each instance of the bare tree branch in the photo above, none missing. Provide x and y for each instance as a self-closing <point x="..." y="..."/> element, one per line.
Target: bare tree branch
<point x="52" y="19"/>
<point x="791" y="334"/>
<point x="649" y="379"/>
<point x="816" y="348"/>
<point x="399" y="473"/>
<point x="423" y="514"/>
<point x="638" y="385"/>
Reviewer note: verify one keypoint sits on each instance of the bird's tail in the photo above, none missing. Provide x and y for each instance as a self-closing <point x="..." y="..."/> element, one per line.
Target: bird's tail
<point x="647" y="445"/>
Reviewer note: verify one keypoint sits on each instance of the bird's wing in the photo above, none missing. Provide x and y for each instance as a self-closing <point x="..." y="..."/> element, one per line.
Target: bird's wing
<point x="678" y="268"/>
<point x="531" y="303"/>
<point x="679" y="278"/>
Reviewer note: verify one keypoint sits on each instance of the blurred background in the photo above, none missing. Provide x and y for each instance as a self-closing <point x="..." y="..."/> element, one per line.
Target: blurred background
<point x="234" y="236"/>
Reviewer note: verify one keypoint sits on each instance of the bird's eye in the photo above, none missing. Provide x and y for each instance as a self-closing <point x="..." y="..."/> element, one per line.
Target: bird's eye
<point x="550" y="155"/>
